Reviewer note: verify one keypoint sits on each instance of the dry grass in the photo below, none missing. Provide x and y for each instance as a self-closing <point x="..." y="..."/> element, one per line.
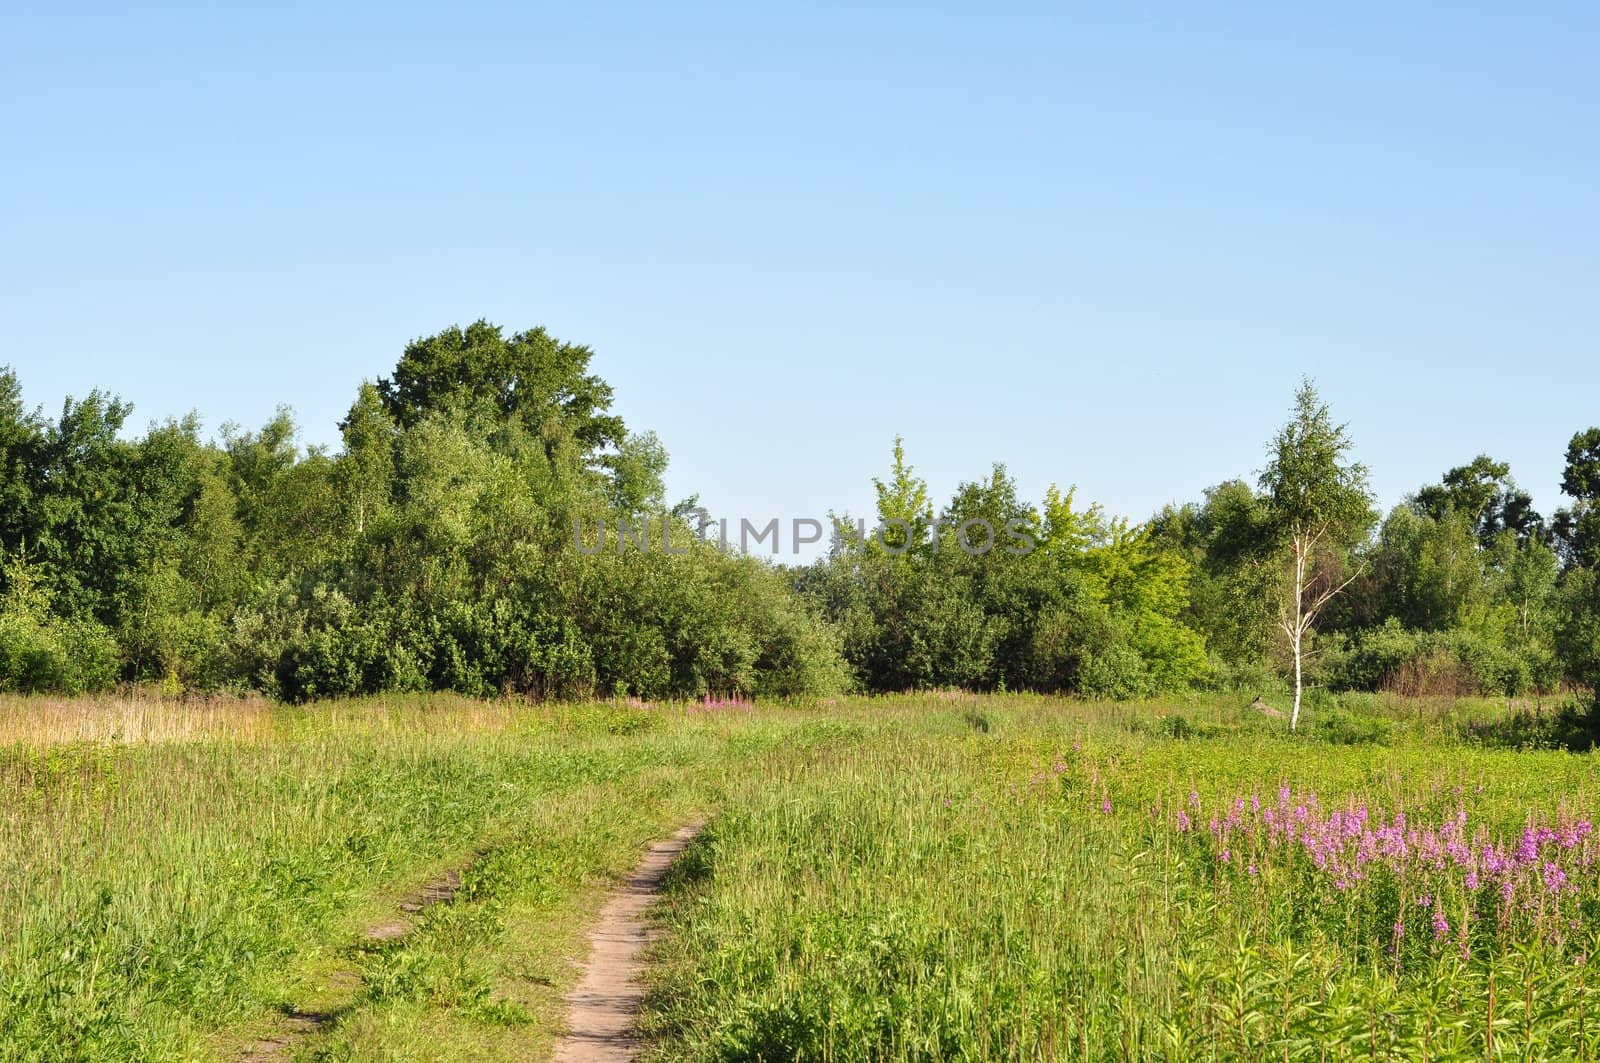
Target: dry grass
<point x="132" y="718"/>
<point x="141" y="718"/>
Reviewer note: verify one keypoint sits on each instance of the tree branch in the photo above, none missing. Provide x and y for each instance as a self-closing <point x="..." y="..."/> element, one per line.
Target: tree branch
<point x="1326" y="596"/>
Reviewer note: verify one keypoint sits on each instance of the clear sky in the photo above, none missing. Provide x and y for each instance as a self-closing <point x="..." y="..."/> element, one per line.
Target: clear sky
<point x="1101" y="247"/>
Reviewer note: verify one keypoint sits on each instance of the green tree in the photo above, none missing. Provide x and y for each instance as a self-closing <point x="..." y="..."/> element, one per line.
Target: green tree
<point x="1141" y="583"/>
<point x="86" y="527"/>
<point x="365" y="473"/>
<point x="1483" y="494"/>
<point x="904" y="511"/>
<point x="1523" y="578"/>
<point x="638" y="472"/>
<point x="1428" y="569"/>
<point x="1578" y="528"/>
<point x="21" y="443"/>
<point x="530" y="376"/>
<point x="1318" y="505"/>
<point x="1578" y="631"/>
<point x="1226" y="541"/>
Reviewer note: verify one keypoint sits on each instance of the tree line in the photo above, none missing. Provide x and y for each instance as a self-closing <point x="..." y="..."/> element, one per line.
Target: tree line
<point x="1293" y="579"/>
<point x="434" y="549"/>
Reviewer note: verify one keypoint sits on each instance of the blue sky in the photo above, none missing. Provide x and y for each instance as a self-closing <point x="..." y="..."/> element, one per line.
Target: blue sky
<point x="1101" y="247"/>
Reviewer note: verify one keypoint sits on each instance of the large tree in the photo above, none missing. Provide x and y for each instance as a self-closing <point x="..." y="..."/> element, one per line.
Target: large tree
<point x="1578" y="529"/>
<point x="1483" y="494"/>
<point x="1318" y="506"/>
<point x="21" y="446"/>
<point x="529" y="376"/>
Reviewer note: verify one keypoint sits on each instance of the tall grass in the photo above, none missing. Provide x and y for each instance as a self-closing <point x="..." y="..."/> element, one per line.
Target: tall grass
<point x="1028" y="880"/>
<point x="929" y="877"/>
<point x="158" y="890"/>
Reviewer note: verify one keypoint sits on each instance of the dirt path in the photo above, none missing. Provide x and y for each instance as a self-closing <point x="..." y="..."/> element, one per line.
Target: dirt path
<point x="604" y="1006"/>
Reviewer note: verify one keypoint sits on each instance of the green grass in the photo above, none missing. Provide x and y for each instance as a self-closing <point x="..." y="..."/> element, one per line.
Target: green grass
<point x="164" y="899"/>
<point x="1007" y="880"/>
<point x="930" y="877"/>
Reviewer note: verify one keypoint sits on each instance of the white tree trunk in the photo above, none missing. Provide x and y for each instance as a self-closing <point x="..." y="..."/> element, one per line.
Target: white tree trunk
<point x="1296" y="624"/>
<point x="1294" y="715"/>
<point x="1297" y="636"/>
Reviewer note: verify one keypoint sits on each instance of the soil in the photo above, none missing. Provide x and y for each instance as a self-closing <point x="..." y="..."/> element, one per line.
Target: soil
<point x="603" y="1009"/>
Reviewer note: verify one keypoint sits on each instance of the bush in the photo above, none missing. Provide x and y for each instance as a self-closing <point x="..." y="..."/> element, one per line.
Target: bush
<point x="1574" y="726"/>
<point x="1116" y="673"/>
<point x="41" y="653"/>
<point x="54" y="656"/>
<point x="1448" y="663"/>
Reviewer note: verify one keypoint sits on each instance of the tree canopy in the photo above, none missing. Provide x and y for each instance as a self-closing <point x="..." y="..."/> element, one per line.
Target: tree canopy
<point x="436" y="548"/>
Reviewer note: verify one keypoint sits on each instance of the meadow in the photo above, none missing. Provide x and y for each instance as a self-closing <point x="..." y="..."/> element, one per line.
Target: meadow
<point x="935" y="876"/>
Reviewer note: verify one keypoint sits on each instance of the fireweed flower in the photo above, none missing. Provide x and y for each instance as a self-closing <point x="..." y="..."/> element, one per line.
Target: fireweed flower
<point x="1543" y="863"/>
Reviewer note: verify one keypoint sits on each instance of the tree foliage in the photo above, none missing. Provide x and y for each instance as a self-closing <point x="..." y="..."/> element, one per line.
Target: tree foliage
<point x="1318" y="506"/>
<point x="434" y="549"/>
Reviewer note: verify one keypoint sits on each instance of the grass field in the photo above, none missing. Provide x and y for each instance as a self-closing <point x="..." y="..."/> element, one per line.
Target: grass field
<point x="921" y="877"/>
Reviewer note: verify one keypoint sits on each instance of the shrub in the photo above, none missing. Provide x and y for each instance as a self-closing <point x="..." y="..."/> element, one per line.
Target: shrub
<point x="42" y="653"/>
<point x="1117" y="673"/>
<point x="1449" y="663"/>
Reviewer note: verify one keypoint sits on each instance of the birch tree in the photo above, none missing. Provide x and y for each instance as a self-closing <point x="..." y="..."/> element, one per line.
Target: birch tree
<point x="1319" y="505"/>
